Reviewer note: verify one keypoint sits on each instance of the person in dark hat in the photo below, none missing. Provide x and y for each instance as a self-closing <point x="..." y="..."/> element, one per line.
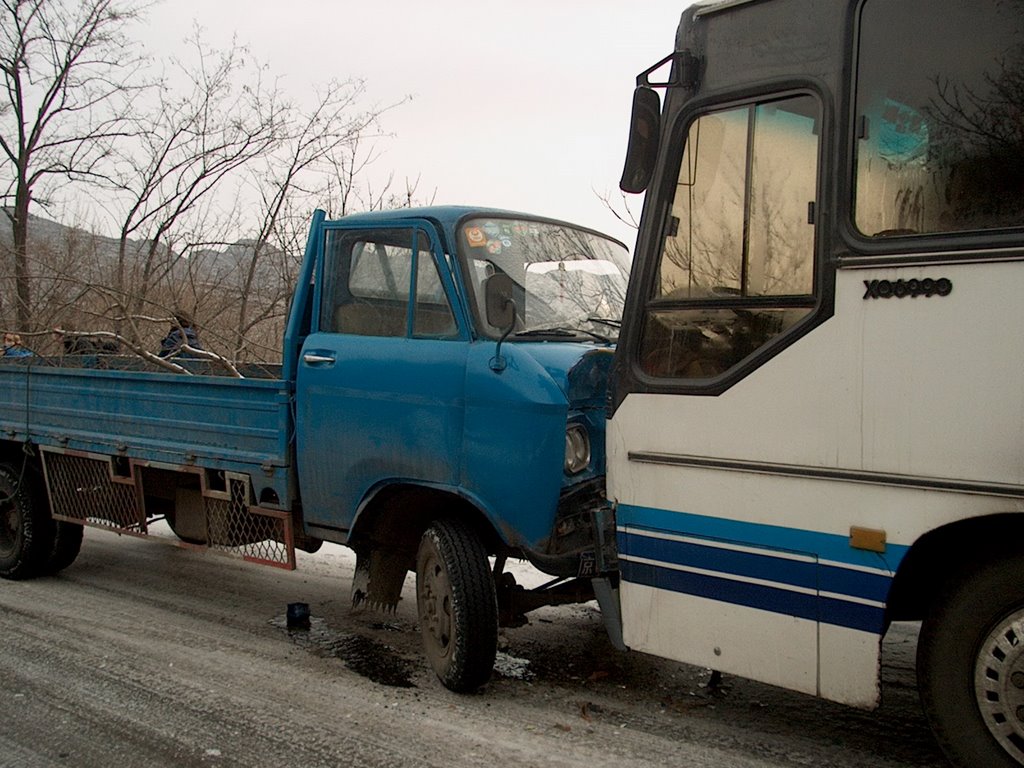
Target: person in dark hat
<point x="182" y="333"/>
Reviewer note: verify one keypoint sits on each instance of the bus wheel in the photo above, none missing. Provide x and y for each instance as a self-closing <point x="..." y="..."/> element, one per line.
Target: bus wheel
<point x="457" y="607"/>
<point x="26" y="532"/>
<point x="970" y="667"/>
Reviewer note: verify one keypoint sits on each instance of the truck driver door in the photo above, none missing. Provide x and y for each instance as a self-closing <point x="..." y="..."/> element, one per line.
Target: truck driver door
<point x="383" y="371"/>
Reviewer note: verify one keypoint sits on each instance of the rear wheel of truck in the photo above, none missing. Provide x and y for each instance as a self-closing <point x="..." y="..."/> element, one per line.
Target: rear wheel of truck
<point x="458" y="609"/>
<point x="970" y="667"/>
<point x="67" y="543"/>
<point x="26" y="529"/>
<point x="67" y="537"/>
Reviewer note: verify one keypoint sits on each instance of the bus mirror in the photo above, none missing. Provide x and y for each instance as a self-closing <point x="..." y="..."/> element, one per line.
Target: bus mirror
<point x="644" y="132"/>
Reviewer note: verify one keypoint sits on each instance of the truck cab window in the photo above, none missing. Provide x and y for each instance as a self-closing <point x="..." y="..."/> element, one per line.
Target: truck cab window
<point x="940" y="134"/>
<point x="375" y="274"/>
<point x="737" y="266"/>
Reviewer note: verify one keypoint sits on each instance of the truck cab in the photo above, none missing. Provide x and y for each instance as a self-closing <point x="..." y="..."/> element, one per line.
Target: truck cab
<point x="454" y="369"/>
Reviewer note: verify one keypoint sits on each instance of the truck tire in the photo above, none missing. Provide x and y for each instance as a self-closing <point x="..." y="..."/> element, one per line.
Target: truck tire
<point x="26" y="529"/>
<point x="457" y="605"/>
<point x="172" y="523"/>
<point x="970" y="667"/>
<point x="67" y="537"/>
<point x="67" y="543"/>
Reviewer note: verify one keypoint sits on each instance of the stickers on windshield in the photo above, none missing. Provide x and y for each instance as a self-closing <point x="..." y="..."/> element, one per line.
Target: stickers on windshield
<point x="494" y="246"/>
<point x="475" y="237"/>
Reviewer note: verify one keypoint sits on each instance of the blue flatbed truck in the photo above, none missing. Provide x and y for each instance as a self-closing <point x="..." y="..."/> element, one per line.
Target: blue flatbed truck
<point x="439" y="408"/>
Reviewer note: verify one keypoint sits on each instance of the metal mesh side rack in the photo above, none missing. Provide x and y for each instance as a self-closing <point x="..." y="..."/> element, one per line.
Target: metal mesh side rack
<point x="99" y="491"/>
<point x="84" y="489"/>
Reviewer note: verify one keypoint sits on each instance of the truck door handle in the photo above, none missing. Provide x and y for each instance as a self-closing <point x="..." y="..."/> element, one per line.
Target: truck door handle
<point x="312" y="358"/>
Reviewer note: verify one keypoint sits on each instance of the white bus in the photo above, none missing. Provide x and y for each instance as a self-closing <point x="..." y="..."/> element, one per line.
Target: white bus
<point x="817" y="413"/>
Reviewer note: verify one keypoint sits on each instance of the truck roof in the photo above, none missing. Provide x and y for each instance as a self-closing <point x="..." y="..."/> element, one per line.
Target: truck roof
<point x="450" y="215"/>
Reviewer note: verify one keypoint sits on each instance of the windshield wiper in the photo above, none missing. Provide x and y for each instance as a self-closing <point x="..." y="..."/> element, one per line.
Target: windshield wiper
<point x="557" y="331"/>
<point x="561" y="331"/>
<point x="611" y="322"/>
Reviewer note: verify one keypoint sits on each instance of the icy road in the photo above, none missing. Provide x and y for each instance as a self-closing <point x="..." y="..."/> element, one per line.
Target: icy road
<point x="142" y="654"/>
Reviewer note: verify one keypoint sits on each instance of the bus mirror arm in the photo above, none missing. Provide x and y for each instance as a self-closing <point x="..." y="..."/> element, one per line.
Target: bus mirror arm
<point x="645" y="121"/>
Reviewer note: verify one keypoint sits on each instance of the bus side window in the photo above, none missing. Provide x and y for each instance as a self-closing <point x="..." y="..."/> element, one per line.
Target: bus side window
<point x="737" y="269"/>
<point x="939" y="142"/>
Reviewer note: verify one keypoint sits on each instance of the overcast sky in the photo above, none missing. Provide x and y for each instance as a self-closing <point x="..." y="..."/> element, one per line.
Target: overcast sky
<point x="517" y="104"/>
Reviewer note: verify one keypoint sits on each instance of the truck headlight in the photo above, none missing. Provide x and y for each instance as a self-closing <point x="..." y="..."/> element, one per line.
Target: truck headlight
<point x="577" y="449"/>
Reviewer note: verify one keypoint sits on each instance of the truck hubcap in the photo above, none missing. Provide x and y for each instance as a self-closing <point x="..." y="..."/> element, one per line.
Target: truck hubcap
<point x="435" y="599"/>
<point x="999" y="683"/>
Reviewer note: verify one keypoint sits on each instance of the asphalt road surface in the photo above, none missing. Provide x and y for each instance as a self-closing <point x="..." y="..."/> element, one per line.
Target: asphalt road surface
<point x="142" y="654"/>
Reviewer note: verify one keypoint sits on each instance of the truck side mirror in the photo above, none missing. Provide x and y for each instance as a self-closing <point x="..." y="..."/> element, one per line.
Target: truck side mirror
<point x="499" y="301"/>
<point x="644" y="133"/>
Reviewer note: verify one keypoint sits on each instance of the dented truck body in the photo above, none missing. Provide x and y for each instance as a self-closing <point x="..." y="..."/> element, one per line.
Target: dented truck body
<point x="400" y="423"/>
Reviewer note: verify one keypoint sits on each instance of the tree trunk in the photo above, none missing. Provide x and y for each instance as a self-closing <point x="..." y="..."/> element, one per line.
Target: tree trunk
<point x="22" y="273"/>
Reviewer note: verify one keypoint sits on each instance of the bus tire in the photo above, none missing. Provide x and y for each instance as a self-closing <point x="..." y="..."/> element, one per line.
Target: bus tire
<point x="970" y="667"/>
<point x="457" y="605"/>
<point x="26" y="529"/>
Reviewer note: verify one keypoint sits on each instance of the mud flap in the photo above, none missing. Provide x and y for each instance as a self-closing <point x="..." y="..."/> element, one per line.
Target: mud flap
<point x="378" y="579"/>
<point x="608" y="600"/>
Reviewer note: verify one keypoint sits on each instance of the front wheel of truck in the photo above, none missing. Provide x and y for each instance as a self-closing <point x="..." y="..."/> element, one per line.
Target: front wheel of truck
<point x="458" y="609"/>
<point x="26" y="532"/>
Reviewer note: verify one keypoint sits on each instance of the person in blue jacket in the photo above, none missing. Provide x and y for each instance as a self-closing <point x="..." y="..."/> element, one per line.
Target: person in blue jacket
<point x="182" y="333"/>
<point x="13" y="348"/>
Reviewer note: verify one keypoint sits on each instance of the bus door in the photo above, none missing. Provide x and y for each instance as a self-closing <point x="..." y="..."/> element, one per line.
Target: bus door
<point x="728" y="557"/>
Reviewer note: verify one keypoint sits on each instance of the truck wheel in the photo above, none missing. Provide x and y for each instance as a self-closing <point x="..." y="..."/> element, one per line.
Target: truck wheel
<point x="67" y="537"/>
<point x="970" y="667"/>
<point x="458" y="610"/>
<point x="26" y="532"/>
<point x="67" y="543"/>
<point x="172" y="522"/>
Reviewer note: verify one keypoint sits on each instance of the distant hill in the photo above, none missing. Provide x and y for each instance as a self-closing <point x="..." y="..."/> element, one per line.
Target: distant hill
<point x="230" y="261"/>
<point x="46" y="234"/>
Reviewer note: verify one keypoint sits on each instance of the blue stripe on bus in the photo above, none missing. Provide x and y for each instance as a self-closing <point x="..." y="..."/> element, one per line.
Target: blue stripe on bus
<point x="695" y="555"/>
<point x="843" y="581"/>
<point x="825" y="546"/>
<point x="782" y="601"/>
<point x="758" y="565"/>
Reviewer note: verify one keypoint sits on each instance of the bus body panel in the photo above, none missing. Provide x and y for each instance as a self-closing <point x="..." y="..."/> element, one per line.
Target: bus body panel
<point x="896" y="415"/>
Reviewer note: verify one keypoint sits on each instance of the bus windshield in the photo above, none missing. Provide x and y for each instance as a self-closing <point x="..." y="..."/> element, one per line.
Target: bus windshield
<point x="569" y="282"/>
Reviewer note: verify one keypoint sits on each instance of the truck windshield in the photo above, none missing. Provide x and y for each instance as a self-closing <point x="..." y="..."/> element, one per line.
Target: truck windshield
<point x="569" y="282"/>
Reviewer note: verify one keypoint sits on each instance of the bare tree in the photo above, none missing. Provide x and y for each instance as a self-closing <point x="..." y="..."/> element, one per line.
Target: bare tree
<point x="63" y="65"/>
<point x="211" y="150"/>
<point x="620" y="210"/>
<point x="333" y="125"/>
<point x="350" y="188"/>
<point x="188" y="148"/>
